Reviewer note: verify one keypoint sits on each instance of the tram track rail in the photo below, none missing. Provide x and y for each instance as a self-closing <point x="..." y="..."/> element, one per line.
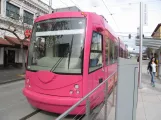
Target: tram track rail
<point x="30" y="115"/>
<point x="11" y="81"/>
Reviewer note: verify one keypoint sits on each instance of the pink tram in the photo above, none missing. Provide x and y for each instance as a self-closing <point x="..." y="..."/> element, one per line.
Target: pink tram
<point x="70" y="53"/>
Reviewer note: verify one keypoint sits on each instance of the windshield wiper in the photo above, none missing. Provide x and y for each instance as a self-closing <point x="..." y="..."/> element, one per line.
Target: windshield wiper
<point x="58" y="62"/>
<point x="70" y="51"/>
<point x="60" y="59"/>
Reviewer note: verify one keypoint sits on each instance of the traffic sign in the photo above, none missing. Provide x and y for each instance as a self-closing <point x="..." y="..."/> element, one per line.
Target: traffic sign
<point x="145" y="14"/>
<point x="27" y="33"/>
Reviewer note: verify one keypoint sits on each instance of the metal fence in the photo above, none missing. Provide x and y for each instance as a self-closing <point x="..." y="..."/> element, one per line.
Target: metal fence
<point x="88" y="112"/>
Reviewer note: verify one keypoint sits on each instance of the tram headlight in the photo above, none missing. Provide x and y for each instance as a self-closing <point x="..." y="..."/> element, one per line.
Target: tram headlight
<point x="71" y="92"/>
<point x="77" y="91"/>
<point x="76" y="86"/>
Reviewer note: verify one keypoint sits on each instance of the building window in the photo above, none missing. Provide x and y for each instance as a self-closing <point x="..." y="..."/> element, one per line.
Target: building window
<point x="96" y="52"/>
<point x="12" y="11"/>
<point x="107" y="51"/>
<point x="28" y="17"/>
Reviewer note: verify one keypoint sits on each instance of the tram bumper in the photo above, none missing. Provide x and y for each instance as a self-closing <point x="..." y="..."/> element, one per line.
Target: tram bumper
<point x="54" y="104"/>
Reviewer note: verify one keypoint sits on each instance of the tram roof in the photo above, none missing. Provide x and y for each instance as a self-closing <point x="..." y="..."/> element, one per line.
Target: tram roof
<point x="61" y="14"/>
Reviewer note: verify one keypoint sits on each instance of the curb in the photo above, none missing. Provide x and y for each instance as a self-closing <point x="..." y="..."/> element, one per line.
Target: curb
<point x="12" y="80"/>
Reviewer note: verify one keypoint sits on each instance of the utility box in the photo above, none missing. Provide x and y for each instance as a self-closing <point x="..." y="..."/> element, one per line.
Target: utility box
<point x="127" y="89"/>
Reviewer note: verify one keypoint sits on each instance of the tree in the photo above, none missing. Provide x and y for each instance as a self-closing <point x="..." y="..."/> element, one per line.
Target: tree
<point x="13" y="29"/>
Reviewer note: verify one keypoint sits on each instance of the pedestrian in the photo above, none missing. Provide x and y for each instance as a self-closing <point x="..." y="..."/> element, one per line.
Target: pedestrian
<point x="152" y="69"/>
<point x="138" y="59"/>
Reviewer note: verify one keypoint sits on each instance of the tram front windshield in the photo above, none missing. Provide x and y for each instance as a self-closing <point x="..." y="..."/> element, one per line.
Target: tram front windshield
<point x="57" y="45"/>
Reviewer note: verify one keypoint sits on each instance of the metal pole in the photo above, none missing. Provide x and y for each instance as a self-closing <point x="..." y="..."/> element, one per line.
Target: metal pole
<point x="113" y="99"/>
<point x="106" y="98"/>
<point x="141" y="39"/>
<point x="88" y="108"/>
<point x="158" y="62"/>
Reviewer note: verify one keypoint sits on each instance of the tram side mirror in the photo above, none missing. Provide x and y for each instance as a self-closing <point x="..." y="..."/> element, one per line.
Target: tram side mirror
<point x="99" y="28"/>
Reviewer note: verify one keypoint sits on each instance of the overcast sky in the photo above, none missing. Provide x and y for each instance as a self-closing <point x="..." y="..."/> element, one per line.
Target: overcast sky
<point x="125" y="14"/>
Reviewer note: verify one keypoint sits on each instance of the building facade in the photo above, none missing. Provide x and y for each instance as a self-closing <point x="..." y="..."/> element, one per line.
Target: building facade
<point x="18" y="15"/>
<point x="71" y="9"/>
<point x="157" y="32"/>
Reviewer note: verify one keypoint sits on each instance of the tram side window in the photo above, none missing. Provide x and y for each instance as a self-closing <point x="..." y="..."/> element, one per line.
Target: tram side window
<point x="95" y="52"/>
<point x="121" y="52"/>
<point x="116" y="52"/>
<point x="107" y="51"/>
<point x="112" y="52"/>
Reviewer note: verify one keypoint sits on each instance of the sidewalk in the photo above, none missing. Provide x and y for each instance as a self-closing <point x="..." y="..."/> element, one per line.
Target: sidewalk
<point x="10" y="74"/>
<point x="149" y="100"/>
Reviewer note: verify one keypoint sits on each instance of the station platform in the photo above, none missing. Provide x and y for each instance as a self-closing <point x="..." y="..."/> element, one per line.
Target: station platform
<point x="149" y="100"/>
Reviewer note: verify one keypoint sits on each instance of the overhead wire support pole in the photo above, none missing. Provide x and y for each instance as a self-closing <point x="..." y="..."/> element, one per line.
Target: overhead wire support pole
<point x="141" y="41"/>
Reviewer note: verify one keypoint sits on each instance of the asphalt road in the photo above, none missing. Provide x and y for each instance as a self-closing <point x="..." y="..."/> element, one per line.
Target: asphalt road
<point x="14" y="106"/>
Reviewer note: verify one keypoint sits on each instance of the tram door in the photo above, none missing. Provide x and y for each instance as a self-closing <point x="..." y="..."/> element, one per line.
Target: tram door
<point x="96" y="68"/>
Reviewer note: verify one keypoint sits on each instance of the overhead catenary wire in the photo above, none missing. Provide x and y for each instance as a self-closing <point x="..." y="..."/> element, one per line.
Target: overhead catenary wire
<point x="64" y="3"/>
<point x="134" y="3"/>
<point x="75" y="4"/>
<point x="111" y="14"/>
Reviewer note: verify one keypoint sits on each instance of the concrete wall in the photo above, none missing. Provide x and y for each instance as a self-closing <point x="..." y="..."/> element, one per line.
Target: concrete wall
<point x="18" y="55"/>
<point x="1" y="55"/>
